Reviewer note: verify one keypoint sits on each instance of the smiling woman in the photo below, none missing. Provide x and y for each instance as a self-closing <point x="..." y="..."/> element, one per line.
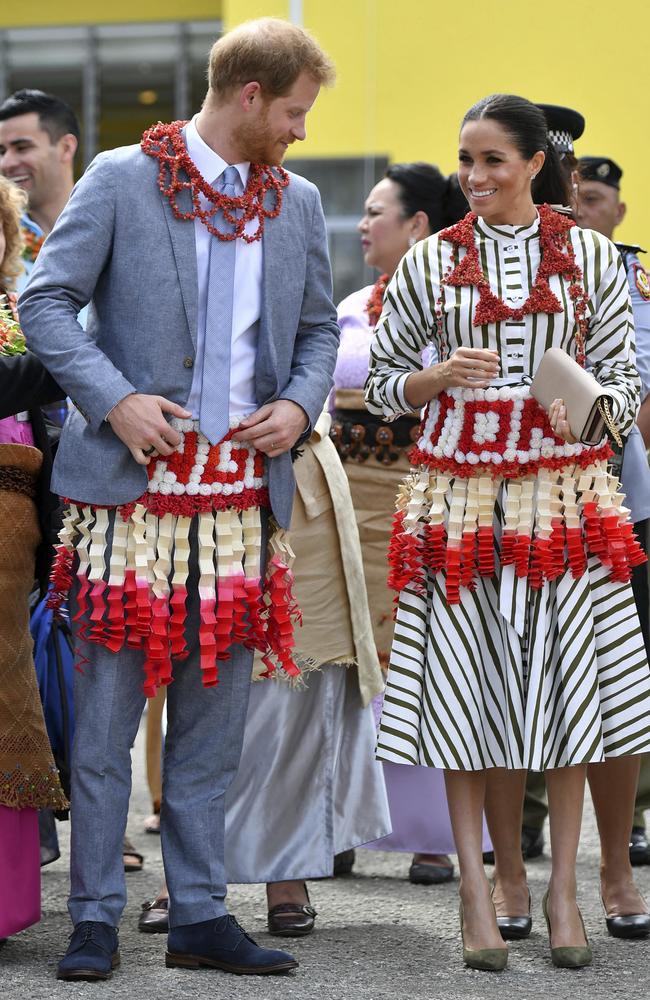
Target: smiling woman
<point x="517" y="645"/>
<point x="506" y="162"/>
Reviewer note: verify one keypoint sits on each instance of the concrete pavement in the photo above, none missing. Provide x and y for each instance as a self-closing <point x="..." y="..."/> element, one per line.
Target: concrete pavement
<point x="377" y="938"/>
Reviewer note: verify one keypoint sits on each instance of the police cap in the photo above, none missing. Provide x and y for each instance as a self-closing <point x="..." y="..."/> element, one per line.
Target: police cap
<point x="564" y="126"/>
<point x="600" y="168"/>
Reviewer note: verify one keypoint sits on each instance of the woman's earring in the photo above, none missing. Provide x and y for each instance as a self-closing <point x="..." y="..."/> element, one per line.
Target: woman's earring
<point x="412" y="241"/>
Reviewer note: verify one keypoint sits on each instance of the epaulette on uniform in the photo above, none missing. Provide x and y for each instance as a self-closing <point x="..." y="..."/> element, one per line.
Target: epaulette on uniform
<point x="629" y="248"/>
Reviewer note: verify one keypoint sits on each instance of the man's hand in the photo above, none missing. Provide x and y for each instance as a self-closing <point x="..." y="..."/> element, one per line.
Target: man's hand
<point x="274" y="428"/>
<point x="139" y="421"/>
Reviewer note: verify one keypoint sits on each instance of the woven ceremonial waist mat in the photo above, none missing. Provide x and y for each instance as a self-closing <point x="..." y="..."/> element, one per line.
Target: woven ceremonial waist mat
<point x="358" y="435"/>
<point x="492" y="484"/>
<point x="132" y="582"/>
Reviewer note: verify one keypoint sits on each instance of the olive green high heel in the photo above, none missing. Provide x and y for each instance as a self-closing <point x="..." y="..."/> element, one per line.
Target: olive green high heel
<point x="570" y="956"/>
<point x="484" y="959"/>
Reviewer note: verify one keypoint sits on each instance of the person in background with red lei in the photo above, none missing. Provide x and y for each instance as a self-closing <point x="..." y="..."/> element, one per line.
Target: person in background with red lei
<point x="207" y="358"/>
<point x="517" y="643"/>
<point x="411" y="202"/>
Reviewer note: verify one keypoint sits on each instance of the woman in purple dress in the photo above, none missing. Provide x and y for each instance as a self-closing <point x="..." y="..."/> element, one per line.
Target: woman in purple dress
<point x="410" y="203"/>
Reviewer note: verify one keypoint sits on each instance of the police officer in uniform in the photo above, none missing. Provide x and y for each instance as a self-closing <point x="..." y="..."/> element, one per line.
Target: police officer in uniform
<point x="613" y="784"/>
<point x="600" y="207"/>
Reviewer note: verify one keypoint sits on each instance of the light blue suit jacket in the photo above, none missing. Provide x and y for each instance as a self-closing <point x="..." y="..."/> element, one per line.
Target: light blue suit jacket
<point x="118" y="246"/>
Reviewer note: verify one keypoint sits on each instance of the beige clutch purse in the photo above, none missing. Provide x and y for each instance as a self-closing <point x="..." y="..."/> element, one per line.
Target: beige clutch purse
<point x="588" y="406"/>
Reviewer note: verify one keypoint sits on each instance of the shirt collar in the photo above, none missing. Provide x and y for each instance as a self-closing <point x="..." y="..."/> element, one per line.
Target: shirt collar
<point x="507" y="233"/>
<point x="209" y="164"/>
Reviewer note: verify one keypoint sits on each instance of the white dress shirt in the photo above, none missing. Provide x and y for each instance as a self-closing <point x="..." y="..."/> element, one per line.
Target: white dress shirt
<point x="247" y="294"/>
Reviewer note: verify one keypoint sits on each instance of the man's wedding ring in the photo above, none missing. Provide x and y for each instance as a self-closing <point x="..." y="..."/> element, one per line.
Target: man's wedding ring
<point x="148" y="451"/>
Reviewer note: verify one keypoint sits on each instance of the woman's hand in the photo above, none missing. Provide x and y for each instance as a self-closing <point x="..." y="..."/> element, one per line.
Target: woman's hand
<point x="470" y="368"/>
<point x="557" y="417"/>
<point x="467" y="368"/>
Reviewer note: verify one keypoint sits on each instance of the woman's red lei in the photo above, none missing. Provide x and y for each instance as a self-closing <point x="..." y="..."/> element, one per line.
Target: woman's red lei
<point x="177" y="172"/>
<point x="557" y="257"/>
<point x="375" y="303"/>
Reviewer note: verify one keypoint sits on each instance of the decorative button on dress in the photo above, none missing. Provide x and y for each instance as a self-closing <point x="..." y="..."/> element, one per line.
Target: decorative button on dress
<point x="517" y="642"/>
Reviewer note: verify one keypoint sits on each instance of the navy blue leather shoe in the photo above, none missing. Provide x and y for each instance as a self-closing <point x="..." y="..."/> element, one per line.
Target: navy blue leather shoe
<point x="92" y="953"/>
<point x="222" y="944"/>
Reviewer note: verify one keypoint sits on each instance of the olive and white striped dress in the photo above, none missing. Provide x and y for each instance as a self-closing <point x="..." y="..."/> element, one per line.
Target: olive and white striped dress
<point x="512" y="676"/>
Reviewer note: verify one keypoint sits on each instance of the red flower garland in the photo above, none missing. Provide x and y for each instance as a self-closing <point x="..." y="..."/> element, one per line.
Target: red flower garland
<point x="557" y="257"/>
<point x="177" y="172"/>
<point x="375" y="303"/>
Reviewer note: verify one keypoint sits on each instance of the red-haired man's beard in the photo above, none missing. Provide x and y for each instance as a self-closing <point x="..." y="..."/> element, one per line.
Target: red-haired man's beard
<point x="259" y="144"/>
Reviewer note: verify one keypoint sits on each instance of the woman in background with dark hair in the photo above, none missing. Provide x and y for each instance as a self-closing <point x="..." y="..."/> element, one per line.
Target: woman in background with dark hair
<point x="517" y="644"/>
<point x="407" y="205"/>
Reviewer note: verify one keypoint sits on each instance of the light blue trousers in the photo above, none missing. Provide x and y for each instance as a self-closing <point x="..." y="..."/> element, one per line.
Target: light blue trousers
<point x="202" y="749"/>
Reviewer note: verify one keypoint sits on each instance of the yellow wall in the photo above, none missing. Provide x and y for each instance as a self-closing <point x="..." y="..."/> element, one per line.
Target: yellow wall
<point x="40" y="13"/>
<point x="409" y="69"/>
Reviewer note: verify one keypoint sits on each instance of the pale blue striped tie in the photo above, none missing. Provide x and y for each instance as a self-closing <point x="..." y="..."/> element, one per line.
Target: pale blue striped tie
<point x="215" y="386"/>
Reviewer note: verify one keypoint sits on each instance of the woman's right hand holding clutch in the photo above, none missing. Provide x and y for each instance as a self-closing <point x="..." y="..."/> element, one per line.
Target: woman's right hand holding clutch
<point x="467" y="368"/>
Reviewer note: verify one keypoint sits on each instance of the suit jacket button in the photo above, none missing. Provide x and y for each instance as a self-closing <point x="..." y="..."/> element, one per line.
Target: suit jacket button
<point x="188" y="362"/>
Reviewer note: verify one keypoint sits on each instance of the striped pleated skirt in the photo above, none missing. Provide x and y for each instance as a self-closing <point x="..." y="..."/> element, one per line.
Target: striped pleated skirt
<point x="513" y="674"/>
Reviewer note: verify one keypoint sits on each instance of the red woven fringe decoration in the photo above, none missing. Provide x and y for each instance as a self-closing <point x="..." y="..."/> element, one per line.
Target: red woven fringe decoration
<point x="434" y="544"/>
<point x="178" y="615"/>
<point x="556" y="548"/>
<point x="485" y="537"/>
<point x="454" y="557"/>
<point x="507" y="555"/>
<point x="225" y="613"/>
<point x="522" y="553"/>
<point x="255" y="637"/>
<point x="208" y="642"/>
<point x="468" y="560"/>
<point x="96" y="632"/>
<point x="281" y="614"/>
<point x="158" y="660"/>
<point x="115" y="629"/>
<point x="595" y="539"/>
<point x="131" y="610"/>
<point x="577" y="556"/>
<point x="539" y="559"/>
<point x="404" y="557"/>
<point x="244" y="611"/>
<point x="60" y="577"/>
<point x="635" y="554"/>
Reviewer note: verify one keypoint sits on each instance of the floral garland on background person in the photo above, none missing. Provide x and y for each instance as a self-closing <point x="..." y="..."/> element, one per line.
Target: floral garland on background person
<point x="12" y="338"/>
<point x="32" y="244"/>
<point x="375" y="303"/>
<point x="177" y="172"/>
<point x="557" y="257"/>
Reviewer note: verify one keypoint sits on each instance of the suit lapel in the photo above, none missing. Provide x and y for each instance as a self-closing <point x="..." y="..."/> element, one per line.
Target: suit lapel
<point x="181" y="233"/>
<point x="273" y="273"/>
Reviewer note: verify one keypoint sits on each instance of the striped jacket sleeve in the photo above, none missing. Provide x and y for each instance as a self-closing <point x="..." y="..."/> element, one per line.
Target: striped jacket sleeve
<point x="610" y="349"/>
<point x="402" y="333"/>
